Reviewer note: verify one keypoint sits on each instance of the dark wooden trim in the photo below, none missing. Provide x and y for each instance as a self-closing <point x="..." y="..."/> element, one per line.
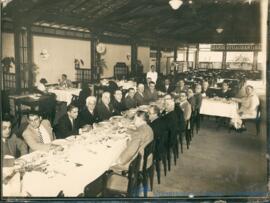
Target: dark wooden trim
<point x="30" y="58"/>
<point x="134" y="58"/>
<point x="158" y="60"/>
<point x="17" y="35"/>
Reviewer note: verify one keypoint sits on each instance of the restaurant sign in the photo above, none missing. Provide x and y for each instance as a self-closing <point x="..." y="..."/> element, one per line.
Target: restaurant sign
<point x="236" y="47"/>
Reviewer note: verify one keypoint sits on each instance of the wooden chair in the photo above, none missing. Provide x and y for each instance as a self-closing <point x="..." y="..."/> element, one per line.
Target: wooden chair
<point x="148" y="170"/>
<point x="128" y="181"/>
<point x="96" y="188"/>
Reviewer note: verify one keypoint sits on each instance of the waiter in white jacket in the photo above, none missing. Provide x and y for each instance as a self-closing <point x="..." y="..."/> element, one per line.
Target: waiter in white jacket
<point x="152" y="74"/>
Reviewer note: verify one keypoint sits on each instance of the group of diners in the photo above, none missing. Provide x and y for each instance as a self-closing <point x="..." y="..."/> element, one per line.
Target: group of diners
<point x="166" y="125"/>
<point x="78" y="120"/>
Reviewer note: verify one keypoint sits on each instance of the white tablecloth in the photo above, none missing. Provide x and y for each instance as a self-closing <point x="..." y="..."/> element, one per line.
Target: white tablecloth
<point x="65" y="95"/>
<point x="219" y="107"/>
<point x="81" y="161"/>
<point x="127" y="84"/>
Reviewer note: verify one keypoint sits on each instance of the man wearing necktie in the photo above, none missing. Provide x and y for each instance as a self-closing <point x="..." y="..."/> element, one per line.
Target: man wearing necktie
<point x="68" y="123"/>
<point x="38" y="135"/>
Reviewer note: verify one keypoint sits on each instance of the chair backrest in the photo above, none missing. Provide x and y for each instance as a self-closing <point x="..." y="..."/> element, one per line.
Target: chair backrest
<point x="259" y="108"/>
<point x="96" y="188"/>
<point x="148" y="150"/>
<point x="74" y="100"/>
<point x="133" y="176"/>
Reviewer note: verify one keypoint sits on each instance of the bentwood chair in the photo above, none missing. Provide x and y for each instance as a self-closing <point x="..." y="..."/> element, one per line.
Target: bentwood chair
<point x="148" y="167"/>
<point x="160" y="154"/>
<point x="126" y="184"/>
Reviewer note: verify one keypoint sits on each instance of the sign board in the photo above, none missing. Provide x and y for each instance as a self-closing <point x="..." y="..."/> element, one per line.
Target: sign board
<point x="236" y="47"/>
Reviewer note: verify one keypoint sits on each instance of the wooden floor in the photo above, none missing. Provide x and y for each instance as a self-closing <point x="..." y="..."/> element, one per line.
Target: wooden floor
<point x="218" y="163"/>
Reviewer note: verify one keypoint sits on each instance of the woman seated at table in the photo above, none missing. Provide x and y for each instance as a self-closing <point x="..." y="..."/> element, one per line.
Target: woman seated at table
<point x="65" y="82"/>
<point x="11" y="144"/>
<point x="225" y="92"/>
<point x="41" y="88"/>
<point x="87" y="116"/>
<point x="248" y="108"/>
<point x="38" y="135"/>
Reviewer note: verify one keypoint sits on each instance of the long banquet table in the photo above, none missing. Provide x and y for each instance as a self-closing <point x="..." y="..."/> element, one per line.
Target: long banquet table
<point x="80" y="161"/>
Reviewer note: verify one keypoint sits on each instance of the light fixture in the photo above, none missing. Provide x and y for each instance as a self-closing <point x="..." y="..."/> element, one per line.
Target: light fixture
<point x="219" y="30"/>
<point x="175" y="4"/>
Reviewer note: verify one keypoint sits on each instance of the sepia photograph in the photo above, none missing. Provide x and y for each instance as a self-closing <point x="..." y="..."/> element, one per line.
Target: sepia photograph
<point x="129" y="100"/>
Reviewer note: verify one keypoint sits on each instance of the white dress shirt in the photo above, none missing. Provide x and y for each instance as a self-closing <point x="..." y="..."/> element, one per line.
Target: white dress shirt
<point x="152" y="75"/>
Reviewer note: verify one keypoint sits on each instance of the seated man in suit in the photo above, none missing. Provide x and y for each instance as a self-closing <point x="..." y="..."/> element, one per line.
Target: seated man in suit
<point x="167" y="87"/>
<point x="158" y="125"/>
<point x="65" y="82"/>
<point x="104" y="107"/>
<point x="117" y="102"/>
<point x="225" y="92"/>
<point x="151" y="94"/>
<point x="139" y="95"/>
<point x="38" y="135"/>
<point x="87" y="116"/>
<point x="185" y="105"/>
<point x="139" y="140"/>
<point x="180" y="86"/>
<point x="68" y="123"/>
<point x="205" y="89"/>
<point x="198" y="97"/>
<point x="130" y="101"/>
<point x="11" y="144"/>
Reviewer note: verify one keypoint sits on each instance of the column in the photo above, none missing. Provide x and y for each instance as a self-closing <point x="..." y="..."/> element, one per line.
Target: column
<point x="255" y="60"/>
<point x="32" y="72"/>
<point x="17" y="58"/>
<point x="175" y="53"/>
<point x="94" y="57"/>
<point x="134" y="58"/>
<point x="197" y="57"/>
<point x="224" y="58"/>
<point x="158" y="60"/>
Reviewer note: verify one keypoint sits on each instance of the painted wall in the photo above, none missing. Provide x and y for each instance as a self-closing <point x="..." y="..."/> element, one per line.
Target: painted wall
<point x="62" y="53"/>
<point x="144" y="56"/>
<point x="8" y="45"/>
<point x="115" y="53"/>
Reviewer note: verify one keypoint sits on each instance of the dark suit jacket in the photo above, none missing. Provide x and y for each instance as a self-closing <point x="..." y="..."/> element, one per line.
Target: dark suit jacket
<point x="150" y="96"/>
<point x="227" y="94"/>
<point x="168" y="91"/>
<point x="64" y="128"/>
<point x="172" y="124"/>
<point x="160" y="135"/>
<point x="207" y="92"/>
<point x="87" y="118"/>
<point x="180" y="118"/>
<point x="103" y="112"/>
<point x="198" y="101"/>
<point x="15" y="145"/>
<point x="118" y="107"/>
<point x="130" y="102"/>
<point x="140" y="99"/>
